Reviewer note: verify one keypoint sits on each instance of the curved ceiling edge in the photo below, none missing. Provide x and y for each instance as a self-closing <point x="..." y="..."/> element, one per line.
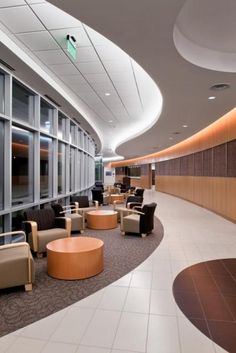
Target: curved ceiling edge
<point x="203" y="57"/>
<point x="103" y="83"/>
<point x="204" y="34"/>
<point x="22" y="55"/>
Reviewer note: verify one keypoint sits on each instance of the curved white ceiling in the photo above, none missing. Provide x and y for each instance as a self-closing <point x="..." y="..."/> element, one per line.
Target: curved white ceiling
<point x="204" y="34"/>
<point x="115" y="95"/>
<point x="144" y="30"/>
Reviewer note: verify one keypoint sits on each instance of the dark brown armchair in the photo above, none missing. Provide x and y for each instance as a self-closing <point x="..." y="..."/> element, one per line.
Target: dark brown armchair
<point x="42" y="227"/>
<point x="139" y="222"/>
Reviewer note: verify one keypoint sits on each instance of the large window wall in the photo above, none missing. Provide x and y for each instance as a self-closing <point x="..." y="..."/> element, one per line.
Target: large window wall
<point x="45" y="156"/>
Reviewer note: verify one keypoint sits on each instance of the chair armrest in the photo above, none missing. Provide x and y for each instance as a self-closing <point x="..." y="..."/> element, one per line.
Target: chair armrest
<point x="14" y="233"/>
<point x="64" y="222"/>
<point x="74" y="210"/>
<point x="69" y="206"/>
<point x="17" y="245"/>
<point x="32" y="227"/>
<point x="96" y="204"/>
<point x="133" y="204"/>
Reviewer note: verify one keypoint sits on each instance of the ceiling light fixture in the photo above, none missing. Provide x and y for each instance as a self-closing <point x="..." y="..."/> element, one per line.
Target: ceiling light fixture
<point x="110" y="121"/>
<point x="170" y="138"/>
<point x="184" y="125"/>
<point x="211" y="97"/>
<point x="220" y="86"/>
<point x="107" y="94"/>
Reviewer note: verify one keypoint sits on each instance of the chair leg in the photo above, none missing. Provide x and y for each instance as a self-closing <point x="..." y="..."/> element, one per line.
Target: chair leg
<point x="39" y="255"/>
<point x="143" y="235"/>
<point x="28" y="287"/>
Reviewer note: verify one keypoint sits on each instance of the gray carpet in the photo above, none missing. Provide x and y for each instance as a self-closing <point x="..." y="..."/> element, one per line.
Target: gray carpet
<point x="121" y="255"/>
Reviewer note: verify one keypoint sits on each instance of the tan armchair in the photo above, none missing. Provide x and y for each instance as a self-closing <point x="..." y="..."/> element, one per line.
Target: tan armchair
<point x="70" y="211"/>
<point x="83" y="205"/>
<point x="16" y="263"/>
<point x="42" y="227"/>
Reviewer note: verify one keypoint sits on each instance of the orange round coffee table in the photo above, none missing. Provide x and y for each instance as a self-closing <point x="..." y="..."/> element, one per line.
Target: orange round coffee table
<point x="75" y="258"/>
<point x="100" y="219"/>
<point x="119" y="198"/>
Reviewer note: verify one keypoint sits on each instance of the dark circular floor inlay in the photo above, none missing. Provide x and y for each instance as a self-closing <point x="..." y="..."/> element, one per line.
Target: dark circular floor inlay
<point x="206" y="294"/>
<point x="121" y="255"/>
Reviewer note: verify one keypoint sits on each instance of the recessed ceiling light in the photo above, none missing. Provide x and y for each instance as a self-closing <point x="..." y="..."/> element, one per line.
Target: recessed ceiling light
<point x="170" y="138"/>
<point x="220" y="86"/>
<point x="110" y="121"/>
<point x="184" y="125"/>
<point x="107" y="94"/>
<point x="211" y="97"/>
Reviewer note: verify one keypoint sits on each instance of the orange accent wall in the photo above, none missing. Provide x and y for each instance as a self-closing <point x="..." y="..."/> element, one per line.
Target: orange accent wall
<point x="215" y="193"/>
<point x="222" y="130"/>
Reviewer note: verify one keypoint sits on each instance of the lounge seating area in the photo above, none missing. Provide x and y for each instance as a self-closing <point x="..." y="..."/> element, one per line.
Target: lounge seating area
<point x="41" y="226"/>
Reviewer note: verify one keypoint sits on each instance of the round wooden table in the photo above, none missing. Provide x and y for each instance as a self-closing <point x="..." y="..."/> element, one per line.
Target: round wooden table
<point x="75" y="258"/>
<point x="100" y="219"/>
<point x="119" y="198"/>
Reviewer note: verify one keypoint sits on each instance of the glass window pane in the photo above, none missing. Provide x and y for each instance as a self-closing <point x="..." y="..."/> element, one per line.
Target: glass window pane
<point x="46" y="154"/>
<point x="61" y="168"/>
<point x="72" y="133"/>
<point x="22" y="166"/>
<point x="1" y="230"/>
<point x="2" y="92"/>
<point x="46" y="117"/>
<point x="72" y="169"/>
<point x="1" y="163"/>
<point x="61" y="133"/>
<point x="22" y="103"/>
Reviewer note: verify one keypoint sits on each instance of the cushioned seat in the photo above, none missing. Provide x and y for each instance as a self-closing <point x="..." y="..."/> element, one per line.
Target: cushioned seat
<point x="16" y="264"/>
<point x="42" y="227"/>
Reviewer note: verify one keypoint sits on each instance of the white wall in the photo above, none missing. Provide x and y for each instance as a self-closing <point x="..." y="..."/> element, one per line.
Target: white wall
<point x="109" y="179"/>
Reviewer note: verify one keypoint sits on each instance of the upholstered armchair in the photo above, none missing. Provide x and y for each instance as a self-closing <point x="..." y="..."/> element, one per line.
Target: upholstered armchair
<point x="100" y="196"/>
<point x="139" y="222"/>
<point x="16" y="263"/>
<point x="83" y="205"/>
<point x="70" y="211"/>
<point x="131" y="202"/>
<point x="42" y="227"/>
<point x="139" y="192"/>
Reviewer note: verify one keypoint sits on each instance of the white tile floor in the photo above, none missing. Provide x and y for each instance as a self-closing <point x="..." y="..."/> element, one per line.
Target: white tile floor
<point x="138" y="313"/>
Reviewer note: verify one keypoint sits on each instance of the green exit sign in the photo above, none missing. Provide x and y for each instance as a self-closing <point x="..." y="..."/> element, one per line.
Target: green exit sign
<point x="71" y="46"/>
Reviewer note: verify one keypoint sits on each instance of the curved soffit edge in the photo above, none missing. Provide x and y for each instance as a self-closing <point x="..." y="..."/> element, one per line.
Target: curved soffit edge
<point x="205" y="35"/>
<point x="127" y="128"/>
<point x="58" y="86"/>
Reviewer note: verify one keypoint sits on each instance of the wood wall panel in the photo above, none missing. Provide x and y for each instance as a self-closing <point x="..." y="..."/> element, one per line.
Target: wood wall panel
<point x="220" y="160"/>
<point x="214" y="193"/>
<point x="231" y="158"/>
<point x="143" y="182"/>
<point x="198" y="164"/>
